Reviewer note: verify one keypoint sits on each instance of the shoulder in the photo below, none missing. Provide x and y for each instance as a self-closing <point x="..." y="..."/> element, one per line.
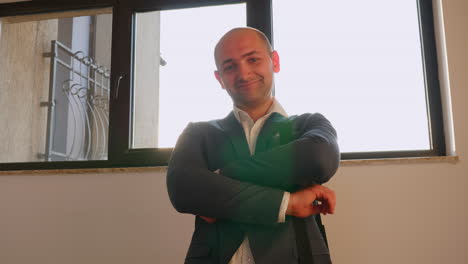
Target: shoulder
<point x="213" y="125"/>
<point x="312" y="122"/>
<point x="309" y="118"/>
<point x="203" y="127"/>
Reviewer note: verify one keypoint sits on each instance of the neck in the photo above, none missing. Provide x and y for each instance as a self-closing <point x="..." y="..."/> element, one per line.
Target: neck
<point x="258" y="110"/>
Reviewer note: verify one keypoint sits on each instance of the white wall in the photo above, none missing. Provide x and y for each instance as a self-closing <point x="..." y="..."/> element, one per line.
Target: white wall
<point x="89" y="218"/>
<point x="406" y="213"/>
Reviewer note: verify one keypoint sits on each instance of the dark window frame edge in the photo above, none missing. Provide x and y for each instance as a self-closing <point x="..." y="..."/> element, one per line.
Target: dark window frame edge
<point x="38" y="7"/>
<point x="431" y="73"/>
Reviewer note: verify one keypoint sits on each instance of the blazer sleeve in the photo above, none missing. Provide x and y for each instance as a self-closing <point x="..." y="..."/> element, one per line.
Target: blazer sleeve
<point x="194" y="189"/>
<point x="312" y="157"/>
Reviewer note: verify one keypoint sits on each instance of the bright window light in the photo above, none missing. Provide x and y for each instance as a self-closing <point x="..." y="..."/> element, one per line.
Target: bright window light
<point x="359" y="63"/>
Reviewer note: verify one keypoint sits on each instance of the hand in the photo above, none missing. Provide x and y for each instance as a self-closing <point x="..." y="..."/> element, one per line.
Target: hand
<point x="208" y="219"/>
<point x="301" y="203"/>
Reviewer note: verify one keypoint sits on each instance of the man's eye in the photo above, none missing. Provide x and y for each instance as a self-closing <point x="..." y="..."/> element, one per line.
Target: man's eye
<point x="228" y="68"/>
<point x="253" y="60"/>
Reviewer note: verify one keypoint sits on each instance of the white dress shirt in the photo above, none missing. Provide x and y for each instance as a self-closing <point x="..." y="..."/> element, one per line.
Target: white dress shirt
<point x="243" y="255"/>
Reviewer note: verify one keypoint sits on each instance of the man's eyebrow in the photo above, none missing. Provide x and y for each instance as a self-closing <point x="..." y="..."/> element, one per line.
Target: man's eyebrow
<point x="226" y="61"/>
<point x="249" y="53"/>
<point x="243" y="56"/>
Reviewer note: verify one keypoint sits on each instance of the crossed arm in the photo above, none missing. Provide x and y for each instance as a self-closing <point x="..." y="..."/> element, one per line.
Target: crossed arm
<point x="311" y="158"/>
<point x="252" y="188"/>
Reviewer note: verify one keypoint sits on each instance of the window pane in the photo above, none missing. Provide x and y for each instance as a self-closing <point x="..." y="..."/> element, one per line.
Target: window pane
<point x="359" y="63"/>
<point x="54" y="86"/>
<point x="173" y="73"/>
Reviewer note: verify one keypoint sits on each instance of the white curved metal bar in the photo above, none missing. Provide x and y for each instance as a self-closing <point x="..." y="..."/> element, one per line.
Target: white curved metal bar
<point x="97" y="126"/>
<point x="87" y="127"/>
<point x="68" y="96"/>
<point x="79" y="126"/>
<point x="104" y="124"/>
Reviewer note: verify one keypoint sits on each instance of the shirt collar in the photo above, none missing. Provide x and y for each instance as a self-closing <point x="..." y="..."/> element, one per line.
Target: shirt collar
<point x="274" y="108"/>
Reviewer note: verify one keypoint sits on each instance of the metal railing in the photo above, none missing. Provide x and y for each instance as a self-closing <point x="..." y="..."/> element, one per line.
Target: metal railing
<point x="79" y="86"/>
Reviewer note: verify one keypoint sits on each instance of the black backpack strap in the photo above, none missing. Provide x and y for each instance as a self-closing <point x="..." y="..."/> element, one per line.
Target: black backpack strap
<point x="318" y="219"/>
<point x="302" y="239"/>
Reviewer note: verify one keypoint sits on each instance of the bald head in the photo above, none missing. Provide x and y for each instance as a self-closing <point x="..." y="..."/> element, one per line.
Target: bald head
<point x="234" y="35"/>
<point x="245" y="65"/>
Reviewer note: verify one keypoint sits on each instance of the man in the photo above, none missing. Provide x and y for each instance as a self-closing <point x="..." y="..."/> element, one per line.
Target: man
<point x="252" y="178"/>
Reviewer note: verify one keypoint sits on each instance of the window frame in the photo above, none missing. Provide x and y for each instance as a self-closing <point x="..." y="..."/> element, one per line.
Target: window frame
<point x="433" y="94"/>
<point x="120" y="141"/>
<point x="259" y="15"/>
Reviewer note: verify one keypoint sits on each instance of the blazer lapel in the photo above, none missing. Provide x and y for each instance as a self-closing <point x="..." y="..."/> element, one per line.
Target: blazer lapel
<point x="270" y="134"/>
<point x="236" y="135"/>
<point x="273" y="133"/>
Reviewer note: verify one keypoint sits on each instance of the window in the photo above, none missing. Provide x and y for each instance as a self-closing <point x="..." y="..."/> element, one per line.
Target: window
<point x="181" y="87"/>
<point x="363" y="70"/>
<point x="55" y="83"/>
<point x="150" y="82"/>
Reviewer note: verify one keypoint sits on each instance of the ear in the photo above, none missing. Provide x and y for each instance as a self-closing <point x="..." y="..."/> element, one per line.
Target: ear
<point x="218" y="77"/>
<point x="276" y="61"/>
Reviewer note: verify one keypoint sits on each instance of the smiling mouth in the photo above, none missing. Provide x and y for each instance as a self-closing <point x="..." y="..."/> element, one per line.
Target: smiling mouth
<point x="247" y="84"/>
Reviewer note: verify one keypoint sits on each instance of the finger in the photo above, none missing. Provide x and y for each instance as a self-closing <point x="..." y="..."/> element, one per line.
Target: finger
<point x="332" y="202"/>
<point x="315" y="209"/>
<point x="328" y="199"/>
<point x="309" y="210"/>
<point x="327" y="210"/>
<point x="323" y="208"/>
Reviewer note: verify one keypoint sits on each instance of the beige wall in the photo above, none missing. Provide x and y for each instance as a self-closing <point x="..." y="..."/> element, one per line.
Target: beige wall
<point x="24" y="84"/>
<point x="407" y="213"/>
<point x="146" y="81"/>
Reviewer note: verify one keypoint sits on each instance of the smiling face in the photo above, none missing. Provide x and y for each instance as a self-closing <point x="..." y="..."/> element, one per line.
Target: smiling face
<point x="246" y="67"/>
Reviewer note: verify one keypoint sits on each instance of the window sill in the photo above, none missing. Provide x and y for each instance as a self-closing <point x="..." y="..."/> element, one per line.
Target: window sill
<point x="388" y="161"/>
<point x="343" y="163"/>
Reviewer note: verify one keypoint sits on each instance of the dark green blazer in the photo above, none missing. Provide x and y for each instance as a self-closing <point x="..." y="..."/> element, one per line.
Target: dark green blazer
<point x="245" y="196"/>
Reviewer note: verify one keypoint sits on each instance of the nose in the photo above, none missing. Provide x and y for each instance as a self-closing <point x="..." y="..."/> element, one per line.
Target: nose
<point x="244" y="72"/>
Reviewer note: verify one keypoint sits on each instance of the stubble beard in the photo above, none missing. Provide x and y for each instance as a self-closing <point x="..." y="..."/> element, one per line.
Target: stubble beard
<point x="260" y="96"/>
